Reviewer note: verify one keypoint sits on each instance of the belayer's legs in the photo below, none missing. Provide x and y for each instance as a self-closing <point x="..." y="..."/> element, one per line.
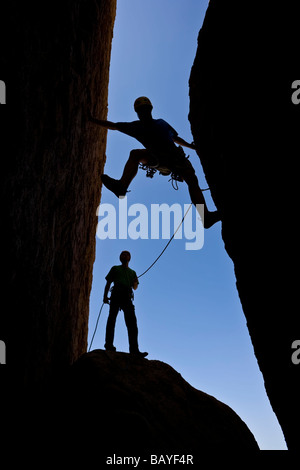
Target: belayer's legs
<point x="119" y="187"/>
<point x="131" y="323"/>
<point x="110" y="326"/>
<point x="189" y="176"/>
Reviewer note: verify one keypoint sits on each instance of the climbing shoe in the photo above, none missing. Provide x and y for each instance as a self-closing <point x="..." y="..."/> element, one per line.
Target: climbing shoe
<point x="113" y="185"/>
<point x="139" y="354"/>
<point x="110" y="348"/>
<point x="211" y="218"/>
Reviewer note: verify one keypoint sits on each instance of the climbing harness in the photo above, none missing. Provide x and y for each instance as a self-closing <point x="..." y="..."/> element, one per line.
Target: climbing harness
<point x="165" y="171"/>
<point x="151" y="170"/>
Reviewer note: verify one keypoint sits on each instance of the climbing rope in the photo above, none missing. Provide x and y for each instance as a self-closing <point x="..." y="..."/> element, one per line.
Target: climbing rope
<point x="96" y="327"/>
<point x="148" y="269"/>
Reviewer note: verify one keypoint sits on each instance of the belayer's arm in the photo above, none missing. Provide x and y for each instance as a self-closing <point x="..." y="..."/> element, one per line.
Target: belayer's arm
<point x="180" y="141"/>
<point x="106" y="290"/>
<point x="135" y="283"/>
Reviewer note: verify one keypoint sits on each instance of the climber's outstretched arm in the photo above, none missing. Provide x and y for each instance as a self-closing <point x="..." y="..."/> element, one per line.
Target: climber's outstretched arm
<point x="106" y="124"/>
<point x="180" y="141"/>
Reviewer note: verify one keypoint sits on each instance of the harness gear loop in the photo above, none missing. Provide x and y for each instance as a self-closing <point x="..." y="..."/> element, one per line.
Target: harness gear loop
<point x="164" y="170"/>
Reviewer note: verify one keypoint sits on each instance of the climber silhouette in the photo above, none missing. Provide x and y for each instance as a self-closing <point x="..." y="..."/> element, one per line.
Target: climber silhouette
<point x="124" y="279"/>
<point x="160" y="152"/>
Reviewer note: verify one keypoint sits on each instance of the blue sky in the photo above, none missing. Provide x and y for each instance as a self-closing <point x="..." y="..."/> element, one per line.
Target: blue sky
<point x="188" y="310"/>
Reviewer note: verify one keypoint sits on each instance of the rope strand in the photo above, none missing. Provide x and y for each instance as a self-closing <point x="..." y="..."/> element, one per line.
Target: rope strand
<point x="166" y="244"/>
<point x="96" y="327"/>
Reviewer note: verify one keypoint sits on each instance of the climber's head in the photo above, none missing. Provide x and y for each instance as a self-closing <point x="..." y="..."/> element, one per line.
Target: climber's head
<point x="125" y="257"/>
<point x="143" y="107"/>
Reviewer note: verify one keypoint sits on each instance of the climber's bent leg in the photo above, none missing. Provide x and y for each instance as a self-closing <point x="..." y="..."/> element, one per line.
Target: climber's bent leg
<point x="119" y="187"/>
<point x="189" y="176"/>
<point x="131" y="167"/>
<point x="191" y="180"/>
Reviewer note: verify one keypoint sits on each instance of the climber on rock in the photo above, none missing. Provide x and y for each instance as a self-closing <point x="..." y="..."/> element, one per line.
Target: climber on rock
<point x="124" y="279"/>
<point x="160" y="152"/>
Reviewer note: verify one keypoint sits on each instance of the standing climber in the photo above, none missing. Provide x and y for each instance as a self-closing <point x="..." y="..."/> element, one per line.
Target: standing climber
<point x="159" y="139"/>
<point x="124" y="279"/>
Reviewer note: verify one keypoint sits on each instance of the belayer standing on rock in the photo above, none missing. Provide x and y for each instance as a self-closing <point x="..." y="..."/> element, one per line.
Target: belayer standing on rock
<point x="124" y="279"/>
<point x="160" y="152"/>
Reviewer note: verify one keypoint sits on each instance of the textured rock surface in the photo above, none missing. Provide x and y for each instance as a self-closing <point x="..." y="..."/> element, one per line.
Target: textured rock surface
<point x="137" y="404"/>
<point x="245" y="128"/>
<point x="55" y="63"/>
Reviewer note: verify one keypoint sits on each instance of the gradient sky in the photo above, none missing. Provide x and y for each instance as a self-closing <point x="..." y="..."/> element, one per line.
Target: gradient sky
<point x="188" y="311"/>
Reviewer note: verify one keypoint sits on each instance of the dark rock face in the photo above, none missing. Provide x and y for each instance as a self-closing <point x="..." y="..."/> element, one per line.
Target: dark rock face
<point x="55" y="63"/>
<point x="245" y="128"/>
<point x="134" y="404"/>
